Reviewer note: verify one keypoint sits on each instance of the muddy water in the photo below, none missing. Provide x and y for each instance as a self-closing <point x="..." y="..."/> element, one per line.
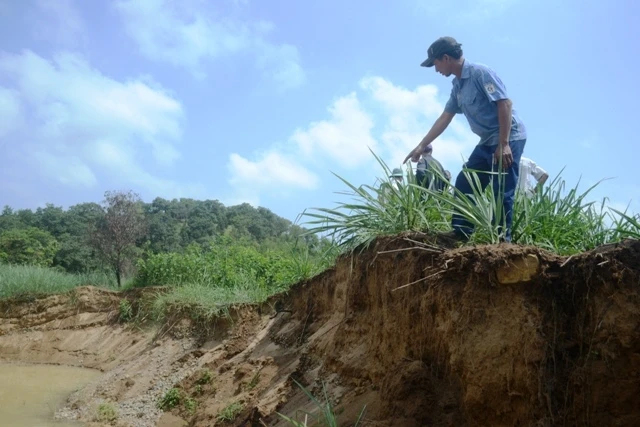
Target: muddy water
<point x="30" y="394"/>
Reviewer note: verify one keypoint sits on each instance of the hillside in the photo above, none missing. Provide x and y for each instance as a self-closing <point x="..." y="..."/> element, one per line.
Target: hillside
<point x="421" y="335"/>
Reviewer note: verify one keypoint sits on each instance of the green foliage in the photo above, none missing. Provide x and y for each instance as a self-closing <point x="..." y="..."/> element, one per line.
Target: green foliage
<point x="205" y="377"/>
<point x="377" y="211"/>
<point x="106" y="413"/>
<point x="175" y="397"/>
<point x="626" y="225"/>
<point x="228" y="265"/>
<point x="116" y="234"/>
<point x="230" y="412"/>
<point x="206" y="283"/>
<point x="190" y="405"/>
<point x="327" y="415"/>
<point x="557" y="220"/>
<point x="563" y="223"/>
<point x="16" y="280"/>
<point x="125" y="311"/>
<point x="27" y="246"/>
<point x="255" y="380"/>
<point x="173" y="226"/>
<point x="171" y="399"/>
<point x="75" y="255"/>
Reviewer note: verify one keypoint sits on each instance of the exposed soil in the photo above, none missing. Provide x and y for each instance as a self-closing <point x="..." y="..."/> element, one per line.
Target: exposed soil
<point x="489" y="335"/>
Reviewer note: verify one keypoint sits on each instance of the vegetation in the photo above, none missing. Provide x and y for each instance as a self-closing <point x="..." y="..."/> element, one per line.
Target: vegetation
<point x="115" y="234"/>
<point x="29" y="245"/>
<point x="208" y="256"/>
<point x="326" y="415"/>
<point x="171" y="399"/>
<point x="206" y="253"/>
<point x="564" y="222"/>
<point x="125" y="311"/>
<point x="230" y="412"/>
<point x="205" y="377"/>
<point x="106" y="413"/>
<point x="20" y="280"/>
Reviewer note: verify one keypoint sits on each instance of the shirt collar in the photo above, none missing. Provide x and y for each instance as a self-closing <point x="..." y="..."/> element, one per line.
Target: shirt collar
<point x="466" y="69"/>
<point x="466" y="73"/>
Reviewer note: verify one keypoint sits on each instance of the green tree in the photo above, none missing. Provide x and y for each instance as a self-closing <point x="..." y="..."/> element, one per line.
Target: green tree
<point x="75" y="252"/>
<point x="164" y="227"/>
<point x="204" y="221"/>
<point x="27" y="246"/>
<point x="9" y="220"/>
<point x="117" y="233"/>
<point x="52" y="219"/>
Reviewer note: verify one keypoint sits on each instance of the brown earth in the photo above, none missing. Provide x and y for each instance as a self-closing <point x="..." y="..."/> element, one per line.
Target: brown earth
<point x="489" y="335"/>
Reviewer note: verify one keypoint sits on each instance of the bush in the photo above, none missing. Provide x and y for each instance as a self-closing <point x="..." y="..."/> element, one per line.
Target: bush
<point x="106" y="413"/>
<point x="171" y="399"/>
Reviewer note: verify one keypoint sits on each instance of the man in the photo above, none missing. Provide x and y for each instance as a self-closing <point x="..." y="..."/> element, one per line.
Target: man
<point x="429" y="171"/>
<point x="396" y="179"/>
<point x="529" y="168"/>
<point x="480" y="95"/>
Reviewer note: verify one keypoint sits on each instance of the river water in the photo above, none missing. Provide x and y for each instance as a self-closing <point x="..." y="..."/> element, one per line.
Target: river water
<point x="30" y="394"/>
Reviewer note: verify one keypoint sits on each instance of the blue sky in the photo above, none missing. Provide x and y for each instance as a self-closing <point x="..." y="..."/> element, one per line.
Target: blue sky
<point x="260" y="102"/>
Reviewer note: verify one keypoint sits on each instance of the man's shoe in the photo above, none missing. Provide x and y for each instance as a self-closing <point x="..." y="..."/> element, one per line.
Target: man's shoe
<point x="454" y="236"/>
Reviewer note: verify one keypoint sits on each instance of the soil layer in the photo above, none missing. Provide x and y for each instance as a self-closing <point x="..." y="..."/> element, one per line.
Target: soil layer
<point x="498" y="335"/>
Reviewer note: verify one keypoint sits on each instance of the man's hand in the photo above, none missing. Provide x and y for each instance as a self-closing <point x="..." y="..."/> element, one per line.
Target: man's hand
<point x="414" y="155"/>
<point x="507" y="156"/>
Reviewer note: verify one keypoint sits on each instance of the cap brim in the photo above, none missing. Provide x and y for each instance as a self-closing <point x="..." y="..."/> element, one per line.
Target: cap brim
<point x="427" y="63"/>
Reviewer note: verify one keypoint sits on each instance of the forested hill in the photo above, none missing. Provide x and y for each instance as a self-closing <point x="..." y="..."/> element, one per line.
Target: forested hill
<point x="64" y="238"/>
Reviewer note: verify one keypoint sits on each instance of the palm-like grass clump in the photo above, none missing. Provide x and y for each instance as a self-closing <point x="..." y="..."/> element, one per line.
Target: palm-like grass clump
<point x="560" y="220"/>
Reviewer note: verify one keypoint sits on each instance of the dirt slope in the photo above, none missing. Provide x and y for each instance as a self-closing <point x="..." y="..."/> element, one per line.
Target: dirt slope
<point x="491" y="335"/>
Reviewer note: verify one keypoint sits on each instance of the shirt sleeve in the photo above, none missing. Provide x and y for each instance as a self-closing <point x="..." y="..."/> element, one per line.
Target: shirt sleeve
<point x="452" y="104"/>
<point x="537" y="171"/>
<point x="490" y="84"/>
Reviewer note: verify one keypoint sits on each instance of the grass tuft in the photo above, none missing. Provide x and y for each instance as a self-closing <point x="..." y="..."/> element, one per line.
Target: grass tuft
<point x="561" y="220"/>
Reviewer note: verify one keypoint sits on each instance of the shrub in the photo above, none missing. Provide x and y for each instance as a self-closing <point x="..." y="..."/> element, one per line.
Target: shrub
<point x="106" y="413"/>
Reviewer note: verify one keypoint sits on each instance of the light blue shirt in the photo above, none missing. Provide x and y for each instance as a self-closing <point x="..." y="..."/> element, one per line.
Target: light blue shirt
<point x="475" y="95"/>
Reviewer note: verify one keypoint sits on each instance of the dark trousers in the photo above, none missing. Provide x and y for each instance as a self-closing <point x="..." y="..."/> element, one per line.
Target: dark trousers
<point x="481" y="160"/>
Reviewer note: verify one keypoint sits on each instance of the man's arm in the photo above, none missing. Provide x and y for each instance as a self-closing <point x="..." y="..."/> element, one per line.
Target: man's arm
<point x="543" y="179"/>
<point x="539" y="174"/>
<point x="504" y="120"/>
<point x="436" y="130"/>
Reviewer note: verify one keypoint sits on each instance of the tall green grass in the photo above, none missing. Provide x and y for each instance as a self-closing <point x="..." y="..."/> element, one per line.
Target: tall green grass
<point x="561" y="219"/>
<point x="377" y="210"/>
<point x="206" y="283"/>
<point x="17" y="280"/>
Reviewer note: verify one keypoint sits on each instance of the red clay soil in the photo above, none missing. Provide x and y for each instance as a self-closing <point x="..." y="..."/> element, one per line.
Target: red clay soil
<point x="490" y="335"/>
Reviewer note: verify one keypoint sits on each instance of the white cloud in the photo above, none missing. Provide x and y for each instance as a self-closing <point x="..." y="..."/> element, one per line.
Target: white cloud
<point x="405" y="116"/>
<point x="189" y="34"/>
<point x="59" y="23"/>
<point x="273" y="169"/>
<point x="345" y="137"/>
<point x="80" y="123"/>
<point x="386" y="118"/>
<point x="10" y="111"/>
<point x="69" y="170"/>
<point x="274" y="173"/>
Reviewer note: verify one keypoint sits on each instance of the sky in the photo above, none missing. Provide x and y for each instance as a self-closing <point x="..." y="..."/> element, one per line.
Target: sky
<point x="270" y="103"/>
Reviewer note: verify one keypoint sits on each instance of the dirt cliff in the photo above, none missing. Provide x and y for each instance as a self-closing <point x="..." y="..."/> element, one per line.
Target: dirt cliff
<point x="488" y="335"/>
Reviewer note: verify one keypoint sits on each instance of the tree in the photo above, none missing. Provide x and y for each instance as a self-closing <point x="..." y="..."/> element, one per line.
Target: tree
<point x="52" y="219"/>
<point x="27" y="246"/>
<point x="117" y="233"/>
